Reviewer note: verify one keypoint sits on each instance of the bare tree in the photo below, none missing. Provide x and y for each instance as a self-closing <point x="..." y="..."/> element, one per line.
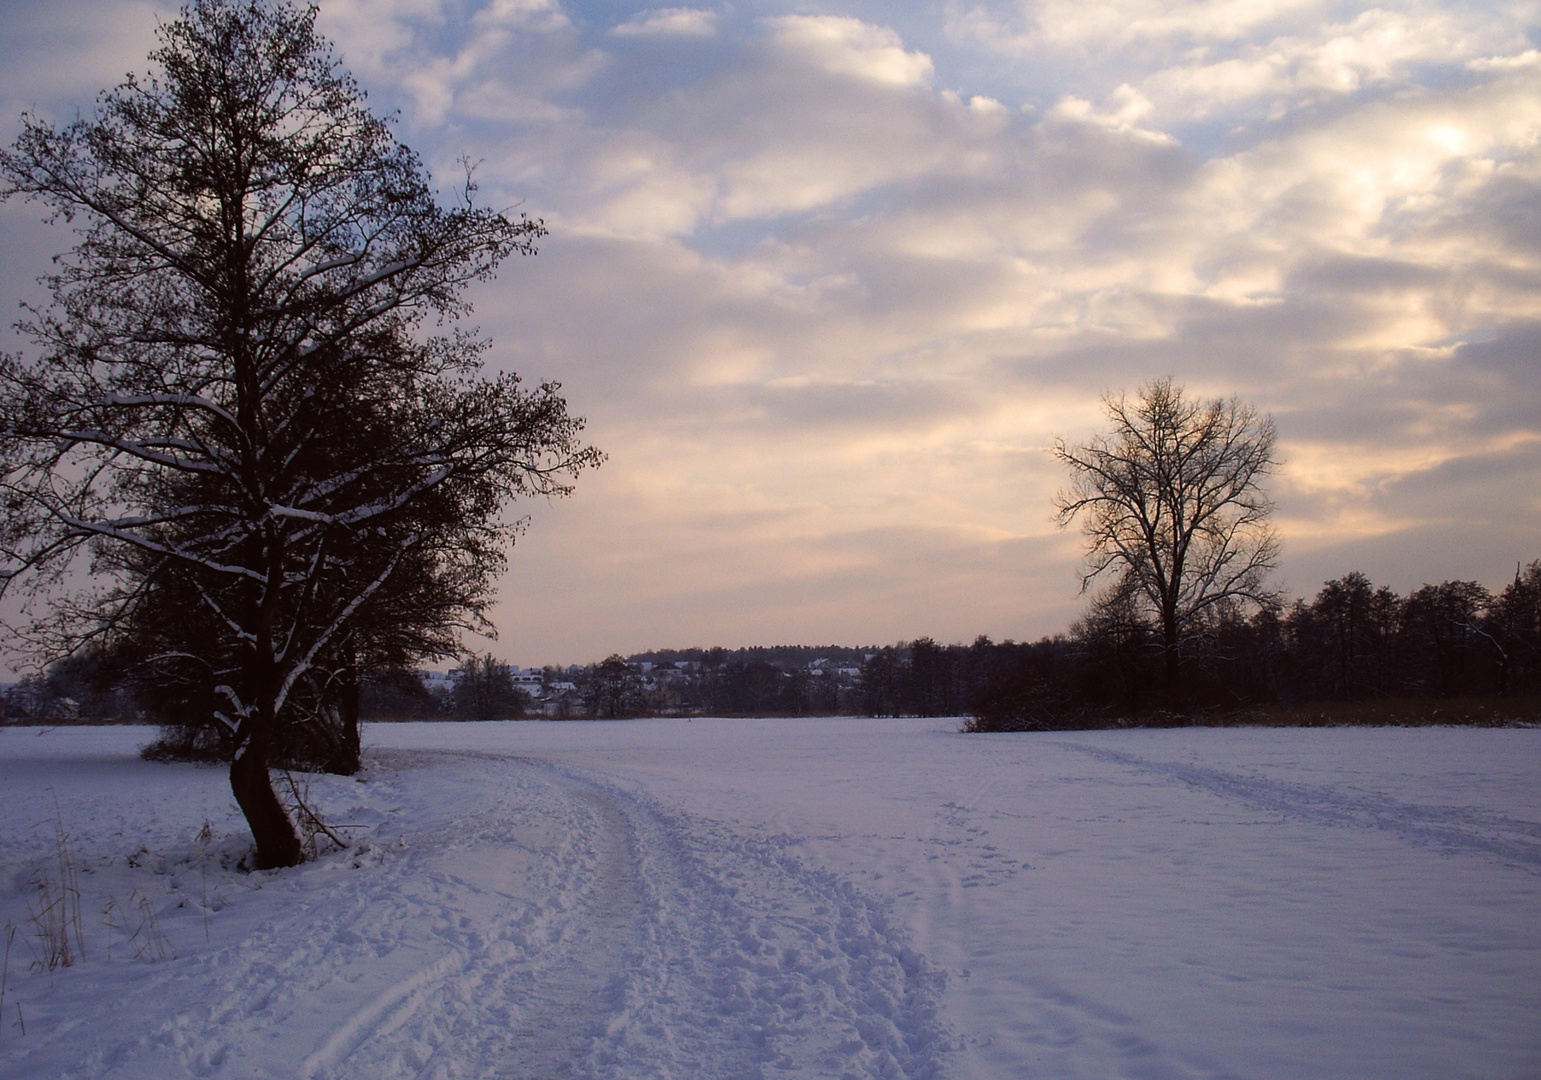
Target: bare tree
<point x="235" y="414"/>
<point x="1173" y="508"/>
<point x="1513" y="627"/>
<point x="485" y="690"/>
<point x="615" y="691"/>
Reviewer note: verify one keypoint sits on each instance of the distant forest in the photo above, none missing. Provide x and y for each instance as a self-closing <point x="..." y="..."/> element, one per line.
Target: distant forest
<point x="1356" y="652"/>
<point x="1353" y="644"/>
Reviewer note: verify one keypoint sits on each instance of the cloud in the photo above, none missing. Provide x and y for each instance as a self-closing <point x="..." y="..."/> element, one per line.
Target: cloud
<point x="1386" y="179"/>
<point x="1023" y="29"/>
<point x="852" y="346"/>
<point x="669" y="23"/>
<point x="813" y="112"/>
<point x="1241" y="62"/>
<point x="55" y="58"/>
<point x="541" y="16"/>
<point x="1129" y="107"/>
<point x="849" y="47"/>
<point x="827" y="288"/>
<point x="1376" y="48"/>
<point x="502" y="61"/>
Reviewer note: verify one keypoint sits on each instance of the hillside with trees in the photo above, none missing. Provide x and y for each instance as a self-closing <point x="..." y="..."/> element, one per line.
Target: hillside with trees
<point x="1355" y="652"/>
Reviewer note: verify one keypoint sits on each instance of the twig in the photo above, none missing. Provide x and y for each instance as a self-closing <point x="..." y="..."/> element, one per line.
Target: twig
<point x="5" y="970"/>
<point x="203" y="873"/>
<point x="308" y="816"/>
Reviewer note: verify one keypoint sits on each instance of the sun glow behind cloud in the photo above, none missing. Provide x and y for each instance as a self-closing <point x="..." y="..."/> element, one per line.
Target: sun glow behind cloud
<point x="827" y="283"/>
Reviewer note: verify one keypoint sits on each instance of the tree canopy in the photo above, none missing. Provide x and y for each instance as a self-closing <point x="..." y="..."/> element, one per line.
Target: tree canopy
<point x="236" y="419"/>
<point x="1172" y="504"/>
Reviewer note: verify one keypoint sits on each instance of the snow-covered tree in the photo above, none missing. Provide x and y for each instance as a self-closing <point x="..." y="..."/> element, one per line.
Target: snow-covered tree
<point x="235" y="420"/>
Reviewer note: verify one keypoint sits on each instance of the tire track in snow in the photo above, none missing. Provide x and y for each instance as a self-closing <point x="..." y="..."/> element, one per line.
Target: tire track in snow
<point x="1454" y="828"/>
<point x="650" y="944"/>
<point x="568" y="1009"/>
<point x="382" y="1015"/>
<point x="531" y="1004"/>
<point x="749" y="964"/>
<point x="514" y="918"/>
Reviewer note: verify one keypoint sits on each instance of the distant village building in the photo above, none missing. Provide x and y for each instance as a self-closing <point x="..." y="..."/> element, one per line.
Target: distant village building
<point x="532" y="681"/>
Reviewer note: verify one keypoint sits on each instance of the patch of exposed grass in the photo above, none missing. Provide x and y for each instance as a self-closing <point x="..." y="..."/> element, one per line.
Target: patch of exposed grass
<point x="1488" y="711"/>
<point x="1389" y="712"/>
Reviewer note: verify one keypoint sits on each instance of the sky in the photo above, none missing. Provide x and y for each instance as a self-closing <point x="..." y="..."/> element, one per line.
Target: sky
<point x="827" y="280"/>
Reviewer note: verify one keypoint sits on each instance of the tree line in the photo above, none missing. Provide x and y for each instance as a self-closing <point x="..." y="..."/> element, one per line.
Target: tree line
<point x="1353" y="642"/>
<point x="754" y="681"/>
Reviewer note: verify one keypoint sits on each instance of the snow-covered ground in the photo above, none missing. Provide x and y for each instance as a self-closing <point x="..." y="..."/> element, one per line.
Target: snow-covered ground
<point x="795" y="898"/>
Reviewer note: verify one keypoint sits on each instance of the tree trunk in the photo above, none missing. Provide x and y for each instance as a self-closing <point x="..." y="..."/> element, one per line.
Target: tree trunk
<point x="349" y="758"/>
<point x="1170" y="655"/>
<point x="277" y="842"/>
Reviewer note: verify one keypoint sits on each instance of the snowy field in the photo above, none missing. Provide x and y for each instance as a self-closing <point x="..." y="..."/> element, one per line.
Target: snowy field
<point x="794" y="898"/>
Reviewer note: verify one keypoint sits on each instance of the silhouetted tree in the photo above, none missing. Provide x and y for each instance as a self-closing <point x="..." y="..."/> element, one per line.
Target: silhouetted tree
<point x="1513" y="628"/>
<point x="1027" y="687"/>
<point x="882" y="677"/>
<point x="485" y="690"/>
<point x="932" y="687"/>
<point x="1119" y="651"/>
<point x="232" y="396"/>
<point x="401" y="694"/>
<point x="1173" y="508"/>
<point x="615" y="690"/>
<point x="1344" y="641"/>
<point x="1442" y="648"/>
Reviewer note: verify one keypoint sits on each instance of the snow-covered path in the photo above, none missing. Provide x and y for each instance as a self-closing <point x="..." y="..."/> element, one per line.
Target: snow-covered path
<point x="506" y="918"/>
<point x="821" y="898"/>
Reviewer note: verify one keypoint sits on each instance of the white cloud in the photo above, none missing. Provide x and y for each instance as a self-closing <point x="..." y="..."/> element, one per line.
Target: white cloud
<point x="1381" y="180"/>
<point x="1530" y="58"/>
<point x="369" y="33"/>
<point x="503" y="63"/>
<point x="849" y="47"/>
<point x="818" y="111"/>
<point x="669" y="22"/>
<point x="55" y="58"/>
<point x="641" y="189"/>
<point x="1105" y="25"/>
<point x="1376" y="48"/>
<point x="1129" y="107"/>
<point x="539" y="16"/>
<point x="1243" y="60"/>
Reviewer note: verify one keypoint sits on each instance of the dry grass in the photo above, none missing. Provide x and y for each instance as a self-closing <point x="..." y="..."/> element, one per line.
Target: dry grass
<point x="135" y="921"/>
<point x="1390" y="712"/>
<point x="54" y="911"/>
<point x="1489" y="711"/>
<point x="5" y="971"/>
